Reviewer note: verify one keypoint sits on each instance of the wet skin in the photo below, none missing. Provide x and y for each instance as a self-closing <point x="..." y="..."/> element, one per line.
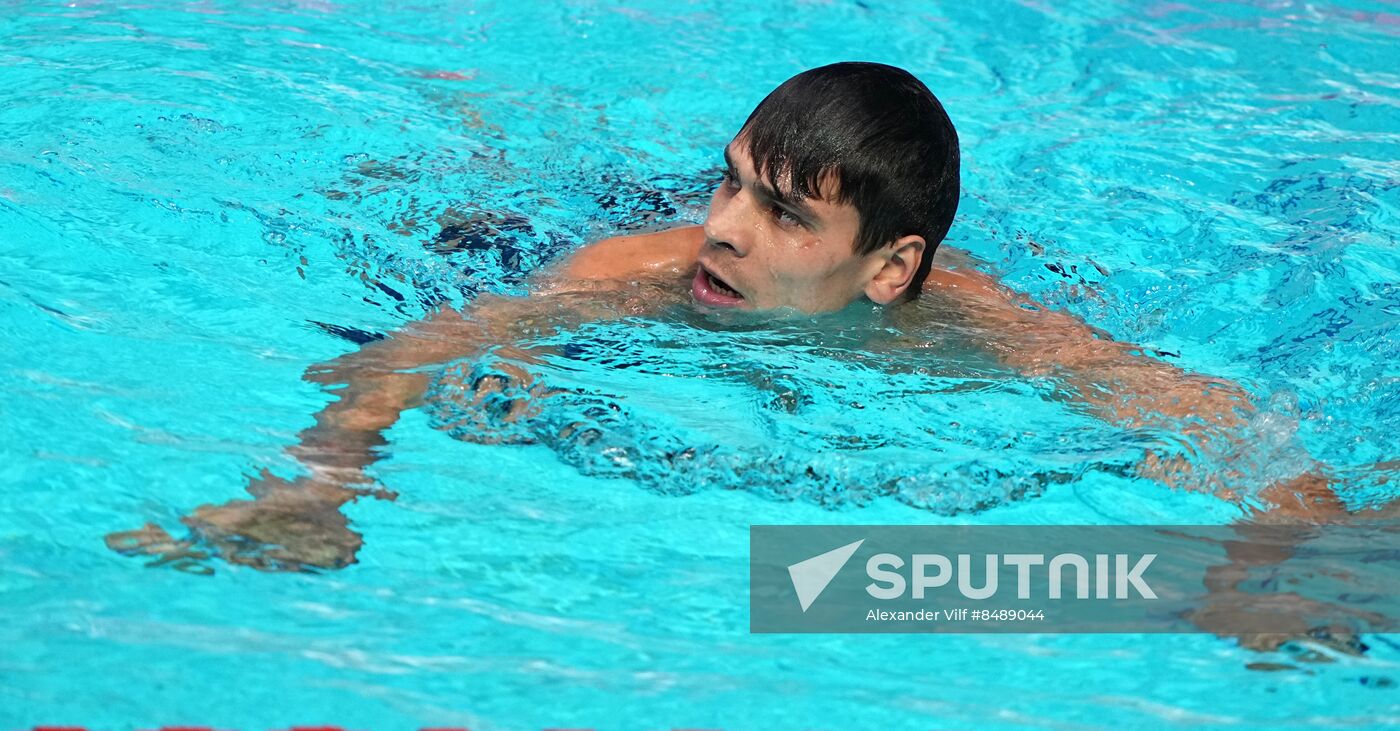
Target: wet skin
<point x="759" y="249"/>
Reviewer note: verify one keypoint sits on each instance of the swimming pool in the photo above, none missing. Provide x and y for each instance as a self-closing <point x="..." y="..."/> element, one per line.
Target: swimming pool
<point x="199" y="201"/>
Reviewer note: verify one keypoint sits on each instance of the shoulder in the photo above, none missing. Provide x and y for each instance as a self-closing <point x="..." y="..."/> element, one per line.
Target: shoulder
<point x="955" y="269"/>
<point x="984" y="298"/>
<point x="625" y="257"/>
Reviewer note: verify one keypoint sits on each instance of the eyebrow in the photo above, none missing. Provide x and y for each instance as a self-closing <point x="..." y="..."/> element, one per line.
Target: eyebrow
<point x="793" y="205"/>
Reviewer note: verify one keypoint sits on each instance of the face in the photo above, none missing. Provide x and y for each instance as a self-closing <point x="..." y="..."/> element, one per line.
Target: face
<point x="766" y="249"/>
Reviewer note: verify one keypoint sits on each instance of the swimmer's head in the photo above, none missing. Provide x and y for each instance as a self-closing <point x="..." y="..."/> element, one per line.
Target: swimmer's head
<point x="840" y="185"/>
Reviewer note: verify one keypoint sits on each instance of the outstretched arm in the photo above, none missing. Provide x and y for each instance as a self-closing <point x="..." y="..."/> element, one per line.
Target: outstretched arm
<point x="375" y="384"/>
<point x="297" y="524"/>
<point x="1124" y="386"/>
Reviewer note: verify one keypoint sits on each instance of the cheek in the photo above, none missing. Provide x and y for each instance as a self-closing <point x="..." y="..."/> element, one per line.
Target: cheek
<point x="802" y="260"/>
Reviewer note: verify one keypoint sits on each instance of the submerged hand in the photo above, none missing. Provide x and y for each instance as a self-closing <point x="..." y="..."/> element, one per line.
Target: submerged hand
<point x="490" y="403"/>
<point x="291" y="526"/>
<point x="1227" y="613"/>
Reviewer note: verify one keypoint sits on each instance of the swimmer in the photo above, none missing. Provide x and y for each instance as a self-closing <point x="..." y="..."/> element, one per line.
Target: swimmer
<point x="838" y="188"/>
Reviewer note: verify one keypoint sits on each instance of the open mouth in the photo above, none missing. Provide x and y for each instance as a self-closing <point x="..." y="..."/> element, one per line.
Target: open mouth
<point x="711" y="290"/>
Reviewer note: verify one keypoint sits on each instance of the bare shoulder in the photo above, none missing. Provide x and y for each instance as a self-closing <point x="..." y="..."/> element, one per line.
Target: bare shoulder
<point x="955" y="269"/>
<point x="625" y="257"/>
<point x="956" y="278"/>
<point x="984" y="298"/>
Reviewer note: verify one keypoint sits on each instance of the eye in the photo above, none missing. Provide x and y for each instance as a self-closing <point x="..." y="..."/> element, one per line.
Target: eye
<point x="783" y="217"/>
<point x="729" y="180"/>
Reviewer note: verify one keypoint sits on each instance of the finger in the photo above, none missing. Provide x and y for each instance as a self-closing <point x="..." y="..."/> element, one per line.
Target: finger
<point x="150" y="538"/>
<point x="178" y="556"/>
<point x="191" y="566"/>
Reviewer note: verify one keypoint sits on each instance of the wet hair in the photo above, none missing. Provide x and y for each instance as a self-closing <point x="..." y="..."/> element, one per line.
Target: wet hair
<point x="876" y="131"/>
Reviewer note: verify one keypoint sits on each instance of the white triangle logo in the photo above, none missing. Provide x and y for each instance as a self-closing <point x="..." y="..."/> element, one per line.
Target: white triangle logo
<point x="810" y="577"/>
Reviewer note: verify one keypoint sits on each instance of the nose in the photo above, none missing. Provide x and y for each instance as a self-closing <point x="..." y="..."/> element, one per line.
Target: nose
<point x="725" y="226"/>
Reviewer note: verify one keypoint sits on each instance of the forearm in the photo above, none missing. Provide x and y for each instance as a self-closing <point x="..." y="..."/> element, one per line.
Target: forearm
<point x="348" y="432"/>
<point x="1117" y="382"/>
<point x="372" y="386"/>
<point x="1208" y="419"/>
<point x="613" y="278"/>
<point x="1212" y="420"/>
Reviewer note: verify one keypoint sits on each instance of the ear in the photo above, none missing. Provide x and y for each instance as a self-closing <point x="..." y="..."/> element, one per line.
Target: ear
<point x="900" y="259"/>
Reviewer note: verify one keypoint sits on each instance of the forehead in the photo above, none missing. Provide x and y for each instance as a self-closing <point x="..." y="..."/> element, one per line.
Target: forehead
<point x="827" y="206"/>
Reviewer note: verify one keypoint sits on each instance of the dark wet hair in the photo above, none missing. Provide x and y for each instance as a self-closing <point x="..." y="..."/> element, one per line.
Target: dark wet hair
<point x="876" y="130"/>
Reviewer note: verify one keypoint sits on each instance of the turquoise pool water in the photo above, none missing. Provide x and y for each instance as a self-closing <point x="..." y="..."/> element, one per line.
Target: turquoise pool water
<point x="197" y="201"/>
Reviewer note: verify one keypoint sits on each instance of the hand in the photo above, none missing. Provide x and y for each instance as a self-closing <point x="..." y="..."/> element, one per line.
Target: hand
<point x="492" y="404"/>
<point x="291" y="526"/>
<point x="1226" y="613"/>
